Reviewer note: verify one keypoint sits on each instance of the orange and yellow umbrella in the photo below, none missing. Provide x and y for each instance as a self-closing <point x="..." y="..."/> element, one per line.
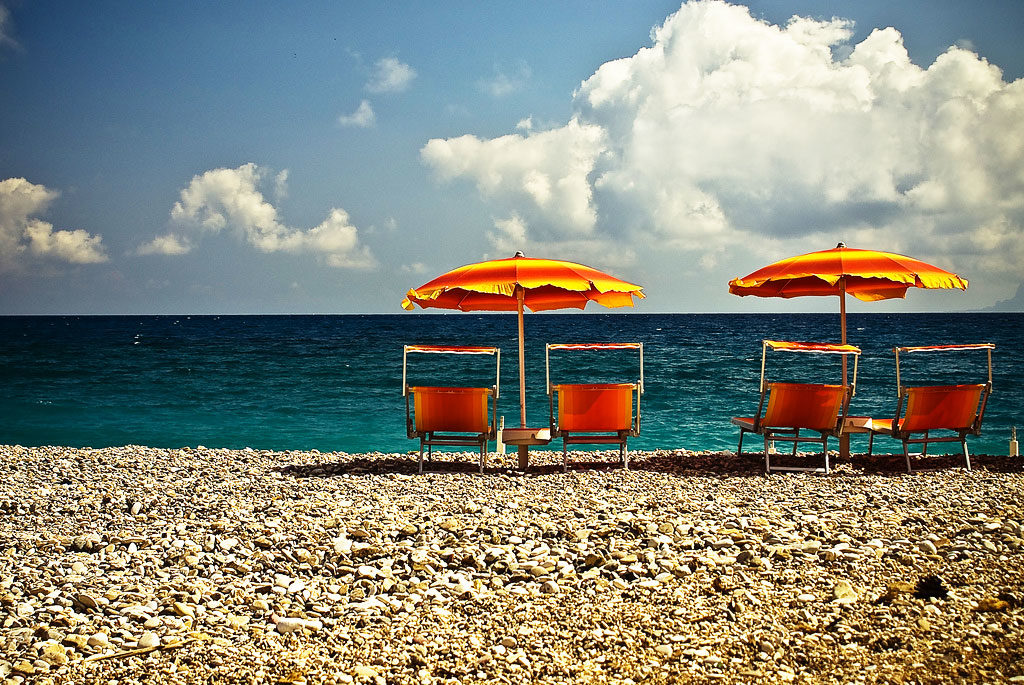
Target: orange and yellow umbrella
<point x="868" y="275"/>
<point x="521" y="282"/>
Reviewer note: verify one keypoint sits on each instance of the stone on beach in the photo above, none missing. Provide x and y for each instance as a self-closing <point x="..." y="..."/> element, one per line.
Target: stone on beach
<point x="134" y="564"/>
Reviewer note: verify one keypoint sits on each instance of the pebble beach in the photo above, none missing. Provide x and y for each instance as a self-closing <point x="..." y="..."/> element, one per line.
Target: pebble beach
<point x="195" y="565"/>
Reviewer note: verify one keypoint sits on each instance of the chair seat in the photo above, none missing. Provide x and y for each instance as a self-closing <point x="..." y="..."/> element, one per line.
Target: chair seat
<point x="804" y="405"/>
<point x="595" y="407"/>
<point x="459" y="410"/>
<point x="955" y="408"/>
<point x="451" y="417"/>
<point x="596" y="413"/>
<point x="791" y="408"/>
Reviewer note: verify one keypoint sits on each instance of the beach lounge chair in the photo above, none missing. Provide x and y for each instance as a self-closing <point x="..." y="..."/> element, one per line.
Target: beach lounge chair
<point x="816" y="408"/>
<point x="955" y="411"/>
<point x="450" y="415"/>
<point x="594" y="413"/>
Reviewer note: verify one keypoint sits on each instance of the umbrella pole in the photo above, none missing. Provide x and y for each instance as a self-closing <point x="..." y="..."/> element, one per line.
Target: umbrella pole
<point x="844" y="437"/>
<point x="524" y="450"/>
<point x="522" y="359"/>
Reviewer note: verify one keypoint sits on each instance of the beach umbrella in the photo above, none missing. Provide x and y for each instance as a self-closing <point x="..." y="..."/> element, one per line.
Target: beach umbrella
<point x="519" y="283"/>
<point x="868" y="275"/>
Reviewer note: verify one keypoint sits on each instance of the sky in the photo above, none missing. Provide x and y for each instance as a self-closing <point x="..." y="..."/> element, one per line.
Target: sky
<point x="325" y="157"/>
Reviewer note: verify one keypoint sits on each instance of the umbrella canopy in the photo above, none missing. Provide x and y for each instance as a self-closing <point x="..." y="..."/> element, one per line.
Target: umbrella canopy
<point x="546" y="284"/>
<point x="520" y="282"/>
<point x="868" y="275"/>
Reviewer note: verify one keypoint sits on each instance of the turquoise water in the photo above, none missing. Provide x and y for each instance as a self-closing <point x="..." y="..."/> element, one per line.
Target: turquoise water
<point x="334" y="382"/>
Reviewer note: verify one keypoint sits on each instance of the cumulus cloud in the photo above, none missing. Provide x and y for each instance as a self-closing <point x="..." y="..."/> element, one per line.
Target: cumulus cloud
<point x="363" y="117"/>
<point x="390" y="76"/>
<point x="230" y="200"/>
<point x="729" y="131"/>
<point x="169" y="244"/>
<point x="281" y="185"/>
<point x="23" y="234"/>
<point x="540" y="178"/>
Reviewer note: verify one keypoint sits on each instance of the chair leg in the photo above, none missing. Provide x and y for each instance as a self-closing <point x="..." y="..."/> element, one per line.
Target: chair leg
<point x="483" y="455"/>
<point x="824" y="450"/>
<point x="924" y="445"/>
<point x="565" y="454"/>
<point x="795" y="443"/>
<point x="767" y="459"/>
<point x="623" y="454"/>
<point x="967" y="457"/>
<point x="739" y="450"/>
<point x="421" y="456"/>
<point x="906" y="453"/>
<point x="871" y="442"/>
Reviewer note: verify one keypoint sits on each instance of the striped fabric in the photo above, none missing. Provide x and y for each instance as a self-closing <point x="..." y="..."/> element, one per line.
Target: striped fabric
<point x="595" y="346"/>
<point x="824" y="348"/>
<point x="947" y="348"/>
<point x="450" y="349"/>
<point x="868" y="275"/>
<point x="547" y="284"/>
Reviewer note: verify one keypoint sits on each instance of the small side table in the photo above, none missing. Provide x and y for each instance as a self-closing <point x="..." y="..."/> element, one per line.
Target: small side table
<point x="852" y="425"/>
<point x="523" y="438"/>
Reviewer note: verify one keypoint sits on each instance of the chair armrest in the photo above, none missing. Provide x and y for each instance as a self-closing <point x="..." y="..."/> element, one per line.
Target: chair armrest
<point x="552" y="424"/>
<point x="844" y="409"/>
<point x="636" y="419"/>
<point x="493" y="434"/>
<point x="899" y="412"/>
<point x="976" y="428"/>
<point x="410" y="430"/>
<point x="760" y="409"/>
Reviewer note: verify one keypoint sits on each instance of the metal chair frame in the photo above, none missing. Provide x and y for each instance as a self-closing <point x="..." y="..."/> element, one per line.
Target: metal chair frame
<point x="429" y="438"/>
<point x="596" y="437"/>
<point x="898" y="428"/>
<point x="791" y="434"/>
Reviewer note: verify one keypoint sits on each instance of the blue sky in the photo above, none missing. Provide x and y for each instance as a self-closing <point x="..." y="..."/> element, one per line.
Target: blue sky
<point x="325" y="157"/>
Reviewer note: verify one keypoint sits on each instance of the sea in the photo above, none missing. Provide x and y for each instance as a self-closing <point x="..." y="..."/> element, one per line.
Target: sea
<point x="334" y="382"/>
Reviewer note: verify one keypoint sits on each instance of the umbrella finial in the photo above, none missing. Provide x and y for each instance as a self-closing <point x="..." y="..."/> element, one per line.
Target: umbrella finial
<point x="518" y="254"/>
<point x="841" y="244"/>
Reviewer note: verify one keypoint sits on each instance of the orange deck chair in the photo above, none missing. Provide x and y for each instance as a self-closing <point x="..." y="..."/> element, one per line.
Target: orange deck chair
<point x="448" y="415"/>
<point x="817" y="408"/>
<point x="594" y="413"/>
<point x="956" y="409"/>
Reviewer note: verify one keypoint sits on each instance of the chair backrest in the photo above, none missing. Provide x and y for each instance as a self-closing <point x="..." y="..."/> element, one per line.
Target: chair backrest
<point x="804" y="405"/>
<point x="461" y="410"/>
<point x="596" y="407"/>
<point x="954" y="407"/>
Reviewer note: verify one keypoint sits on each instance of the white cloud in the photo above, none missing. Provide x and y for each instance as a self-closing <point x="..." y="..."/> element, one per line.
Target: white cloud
<point x="281" y="185"/>
<point x="731" y="132"/>
<point x="169" y="244"/>
<point x="541" y="177"/>
<point x="22" y="232"/>
<point x="363" y="117"/>
<point x="230" y="199"/>
<point x="6" y="37"/>
<point x="503" y="84"/>
<point x="390" y="76"/>
<point x="415" y="268"/>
